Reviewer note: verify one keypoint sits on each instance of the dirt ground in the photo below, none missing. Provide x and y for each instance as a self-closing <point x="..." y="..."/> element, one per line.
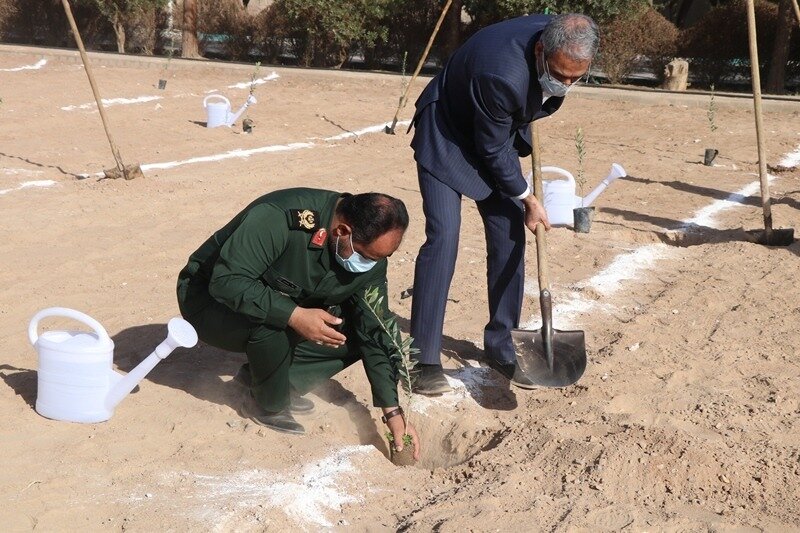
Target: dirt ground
<point x="685" y="420"/>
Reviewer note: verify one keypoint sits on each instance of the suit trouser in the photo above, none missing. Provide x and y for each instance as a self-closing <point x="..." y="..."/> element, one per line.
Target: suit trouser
<point x="504" y="228"/>
<point x="280" y="360"/>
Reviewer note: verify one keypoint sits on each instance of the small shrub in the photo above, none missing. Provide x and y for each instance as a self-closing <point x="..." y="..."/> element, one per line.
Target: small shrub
<point x="644" y="35"/>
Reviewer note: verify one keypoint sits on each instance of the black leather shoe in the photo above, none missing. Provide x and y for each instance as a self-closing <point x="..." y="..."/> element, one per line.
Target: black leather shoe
<point x="297" y="404"/>
<point x="430" y="380"/>
<point x="282" y="421"/>
<point x="513" y="373"/>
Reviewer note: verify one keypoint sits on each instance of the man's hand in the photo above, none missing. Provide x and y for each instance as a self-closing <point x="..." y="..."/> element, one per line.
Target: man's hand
<point x="315" y="325"/>
<point x="534" y="213"/>
<point x="397" y="425"/>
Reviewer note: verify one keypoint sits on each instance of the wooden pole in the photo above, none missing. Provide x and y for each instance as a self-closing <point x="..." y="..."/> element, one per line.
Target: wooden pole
<point x="796" y="11"/>
<point x="88" y="68"/>
<point x="762" y="158"/>
<point x="403" y="99"/>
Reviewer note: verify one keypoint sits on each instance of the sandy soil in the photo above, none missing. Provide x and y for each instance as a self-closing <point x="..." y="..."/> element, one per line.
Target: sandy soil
<point x="685" y="420"/>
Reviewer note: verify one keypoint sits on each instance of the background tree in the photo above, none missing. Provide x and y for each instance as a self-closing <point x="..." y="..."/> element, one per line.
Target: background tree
<point x="776" y="79"/>
<point x="325" y="32"/>
<point x="485" y="12"/>
<point x="120" y="12"/>
<point x="190" y="46"/>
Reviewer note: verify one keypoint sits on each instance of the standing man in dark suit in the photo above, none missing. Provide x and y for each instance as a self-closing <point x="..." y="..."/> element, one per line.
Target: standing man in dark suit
<point x="472" y="126"/>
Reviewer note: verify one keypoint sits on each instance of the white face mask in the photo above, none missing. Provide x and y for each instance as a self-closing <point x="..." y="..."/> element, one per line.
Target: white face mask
<point x="356" y="263"/>
<point x="551" y="86"/>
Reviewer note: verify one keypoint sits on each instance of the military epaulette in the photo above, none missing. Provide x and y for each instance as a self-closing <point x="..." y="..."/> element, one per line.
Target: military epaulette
<point x="303" y="219"/>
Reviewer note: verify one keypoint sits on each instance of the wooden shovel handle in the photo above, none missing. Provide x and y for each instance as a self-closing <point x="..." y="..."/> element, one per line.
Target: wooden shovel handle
<point x="538" y="191"/>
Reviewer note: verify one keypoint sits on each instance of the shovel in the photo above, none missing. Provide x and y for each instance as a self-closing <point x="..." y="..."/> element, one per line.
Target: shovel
<point x="770" y="236"/>
<point x="122" y="170"/>
<point x="546" y="357"/>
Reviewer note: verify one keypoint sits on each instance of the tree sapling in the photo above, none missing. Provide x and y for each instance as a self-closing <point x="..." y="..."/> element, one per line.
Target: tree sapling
<point x="582" y="216"/>
<point x="711" y="114"/>
<point x="402" y="357"/>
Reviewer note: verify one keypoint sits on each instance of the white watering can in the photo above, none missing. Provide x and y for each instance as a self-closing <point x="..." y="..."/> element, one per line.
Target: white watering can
<point x="560" y="198"/>
<point x="218" y="111"/>
<point x="76" y="381"/>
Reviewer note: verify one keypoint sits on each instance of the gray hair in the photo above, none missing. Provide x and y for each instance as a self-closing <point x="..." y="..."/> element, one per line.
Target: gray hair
<point x="573" y="34"/>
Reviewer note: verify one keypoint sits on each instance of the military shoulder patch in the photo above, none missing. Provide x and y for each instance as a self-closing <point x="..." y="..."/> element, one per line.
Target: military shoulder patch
<point x="303" y="219"/>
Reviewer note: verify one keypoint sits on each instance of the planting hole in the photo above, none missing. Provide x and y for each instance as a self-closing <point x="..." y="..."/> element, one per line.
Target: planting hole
<point x="449" y="439"/>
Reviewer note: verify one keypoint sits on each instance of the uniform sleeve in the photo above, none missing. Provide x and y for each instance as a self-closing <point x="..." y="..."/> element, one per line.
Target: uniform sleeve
<point x="376" y="346"/>
<point x="495" y="102"/>
<point x="236" y="278"/>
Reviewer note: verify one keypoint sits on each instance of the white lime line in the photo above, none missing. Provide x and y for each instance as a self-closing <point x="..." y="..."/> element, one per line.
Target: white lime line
<point x="259" y="81"/>
<point x="28" y="185"/>
<point x="233" y="154"/>
<point x="371" y="129"/>
<point x="245" y="153"/>
<point x="16" y="171"/>
<point x="38" y="65"/>
<point x="630" y="266"/>
<point x="112" y="102"/>
<point x="312" y="496"/>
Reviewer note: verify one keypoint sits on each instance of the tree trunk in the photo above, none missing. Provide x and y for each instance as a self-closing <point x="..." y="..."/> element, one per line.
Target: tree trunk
<point x="119" y="31"/>
<point x="452" y="33"/>
<point x="776" y="79"/>
<point x="190" y="47"/>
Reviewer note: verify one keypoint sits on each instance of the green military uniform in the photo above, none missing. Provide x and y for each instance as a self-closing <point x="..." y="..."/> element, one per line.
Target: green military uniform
<point x="240" y="287"/>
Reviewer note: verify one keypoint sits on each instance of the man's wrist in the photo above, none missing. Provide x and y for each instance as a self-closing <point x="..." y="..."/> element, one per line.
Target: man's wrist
<point x="525" y="194"/>
<point x="391" y="412"/>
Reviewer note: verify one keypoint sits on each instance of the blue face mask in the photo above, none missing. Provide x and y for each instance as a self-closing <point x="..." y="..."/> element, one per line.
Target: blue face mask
<point x="550" y="85"/>
<point x="356" y="263"/>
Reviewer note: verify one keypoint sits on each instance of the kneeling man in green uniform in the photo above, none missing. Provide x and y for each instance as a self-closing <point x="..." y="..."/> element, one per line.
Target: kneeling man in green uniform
<point x="284" y="282"/>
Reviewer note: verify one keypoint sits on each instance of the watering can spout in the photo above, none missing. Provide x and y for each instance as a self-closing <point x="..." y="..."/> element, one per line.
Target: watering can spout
<point x="616" y="172"/>
<point x="179" y="334"/>
<point x="233" y="118"/>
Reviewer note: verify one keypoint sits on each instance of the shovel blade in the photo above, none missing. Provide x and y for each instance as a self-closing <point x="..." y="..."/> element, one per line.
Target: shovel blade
<point x="569" y="357"/>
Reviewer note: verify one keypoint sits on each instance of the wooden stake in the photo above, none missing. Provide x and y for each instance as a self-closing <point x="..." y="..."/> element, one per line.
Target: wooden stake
<point x="762" y="158"/>
<point x="128" y="172"/>
<point x="402" y="104"/>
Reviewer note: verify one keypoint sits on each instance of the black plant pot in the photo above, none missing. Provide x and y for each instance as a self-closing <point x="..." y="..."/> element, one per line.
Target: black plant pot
<point x="582" y="219"/>
<point x="710" y="155"/>
<point x="162" y="84"/>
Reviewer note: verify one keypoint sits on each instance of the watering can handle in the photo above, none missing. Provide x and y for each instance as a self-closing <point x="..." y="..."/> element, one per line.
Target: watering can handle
<point x="33" y="328"/>
<point x="205" y="100"/>
<point x="557" y="170"/>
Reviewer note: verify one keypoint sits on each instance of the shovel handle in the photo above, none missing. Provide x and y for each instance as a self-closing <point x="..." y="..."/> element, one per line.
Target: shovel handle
<point x="538" y="192"/>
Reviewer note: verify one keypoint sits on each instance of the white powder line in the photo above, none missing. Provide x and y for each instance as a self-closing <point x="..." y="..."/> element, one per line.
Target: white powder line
<point x="29" y="184"/>
<point x="706" y="216"/>
<point x="38" y="65"/>
<point x="112" y="102"/>
<point x="631" y="265"/>
<point x="791" y="159"/>
<point x="15" y="171"/>
<point x="254" y="151"/>
<point x="467" y="383"/>
<point x="227" y="155"/>
<point x="259" y="81"/>
<point x="305" y="497"/>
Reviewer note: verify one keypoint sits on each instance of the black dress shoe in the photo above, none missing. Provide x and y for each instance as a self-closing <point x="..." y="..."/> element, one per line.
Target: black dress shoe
<point x="430" y="380"/>
<point x="297" y="404"/>
<point x="513" y="373"/>
<point x="282" y="421"/>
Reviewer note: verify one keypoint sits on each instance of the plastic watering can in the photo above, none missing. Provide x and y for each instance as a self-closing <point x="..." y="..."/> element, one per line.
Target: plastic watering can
<point x="218" y="110"/>
<point x="560" y="198"/>
<point x="76" y="382"/>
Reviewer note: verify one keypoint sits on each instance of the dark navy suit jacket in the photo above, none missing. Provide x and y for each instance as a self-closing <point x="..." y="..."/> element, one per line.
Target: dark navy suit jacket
<point x="472" y="120"/>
